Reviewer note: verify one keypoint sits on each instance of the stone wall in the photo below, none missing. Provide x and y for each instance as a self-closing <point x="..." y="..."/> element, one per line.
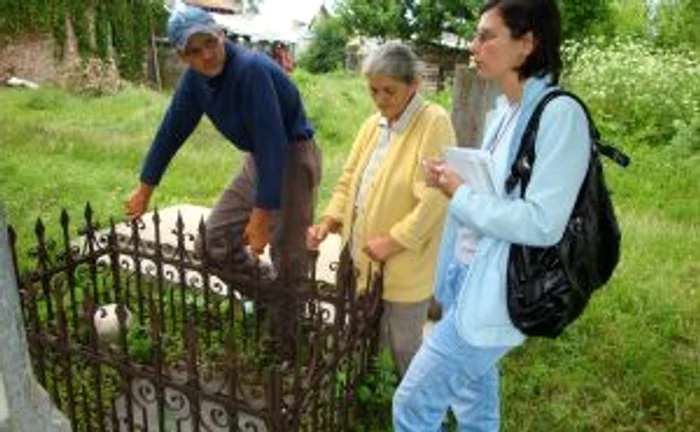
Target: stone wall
<point x="33" y="57"/>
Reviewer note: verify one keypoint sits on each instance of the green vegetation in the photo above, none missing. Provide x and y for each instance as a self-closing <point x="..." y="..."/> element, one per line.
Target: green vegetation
<point x="327" y="49"/>
<point x="425" y="22"/>
<point x="643" y="94"/>
<point x="629" y="364"/>
<point x="408" y="19"/>
<point x="374" y="395"/>
<point x="122" y="26"/>
<point x="677" y="23"/>
<point x="580" y="18"/>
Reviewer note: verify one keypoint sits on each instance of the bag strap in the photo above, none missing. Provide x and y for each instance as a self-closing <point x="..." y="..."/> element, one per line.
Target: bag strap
<point x="522" y="165"/>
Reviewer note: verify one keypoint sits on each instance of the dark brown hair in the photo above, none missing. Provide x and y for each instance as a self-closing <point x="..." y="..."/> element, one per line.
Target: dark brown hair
<point x="541" y="17"/>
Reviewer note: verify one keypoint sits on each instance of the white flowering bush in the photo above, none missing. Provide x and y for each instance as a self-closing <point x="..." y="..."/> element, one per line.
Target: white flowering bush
<point x="636" y="91"/>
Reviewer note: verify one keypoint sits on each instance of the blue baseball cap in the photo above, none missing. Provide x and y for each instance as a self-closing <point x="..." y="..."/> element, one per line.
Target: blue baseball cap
<point x="186" y="21"/>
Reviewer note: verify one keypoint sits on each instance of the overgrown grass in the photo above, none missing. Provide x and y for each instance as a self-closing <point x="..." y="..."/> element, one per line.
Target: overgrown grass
<point x="631" y="363"/>
<point x="60" y="151"/>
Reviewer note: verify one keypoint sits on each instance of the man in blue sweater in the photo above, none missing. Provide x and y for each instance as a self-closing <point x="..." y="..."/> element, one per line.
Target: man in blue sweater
<point x="253" y="103"/>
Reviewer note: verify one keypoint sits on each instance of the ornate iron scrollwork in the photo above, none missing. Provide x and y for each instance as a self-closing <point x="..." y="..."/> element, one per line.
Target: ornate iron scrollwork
<point x="194" y="345"/>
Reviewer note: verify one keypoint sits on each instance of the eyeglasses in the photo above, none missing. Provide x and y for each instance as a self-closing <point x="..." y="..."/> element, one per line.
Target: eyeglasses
<point x="482" y="36"/>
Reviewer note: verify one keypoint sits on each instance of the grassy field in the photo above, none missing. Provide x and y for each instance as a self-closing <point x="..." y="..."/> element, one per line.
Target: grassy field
<point x="631" y="363"/>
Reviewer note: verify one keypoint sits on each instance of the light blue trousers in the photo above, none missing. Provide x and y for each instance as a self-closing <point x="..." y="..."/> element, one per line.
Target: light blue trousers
<point x="447" y="372"/>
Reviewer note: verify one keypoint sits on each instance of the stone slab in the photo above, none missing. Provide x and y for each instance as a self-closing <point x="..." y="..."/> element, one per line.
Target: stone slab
<point x="192" y="215"/>
<point x="329" y="251"/>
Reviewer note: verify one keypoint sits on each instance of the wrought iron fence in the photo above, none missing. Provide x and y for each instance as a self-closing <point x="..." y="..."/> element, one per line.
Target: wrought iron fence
<point x="135" y="335"/>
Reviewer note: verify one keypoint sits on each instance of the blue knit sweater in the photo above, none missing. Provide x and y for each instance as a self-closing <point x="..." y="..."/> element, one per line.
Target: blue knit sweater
<point x="252" y="103"/>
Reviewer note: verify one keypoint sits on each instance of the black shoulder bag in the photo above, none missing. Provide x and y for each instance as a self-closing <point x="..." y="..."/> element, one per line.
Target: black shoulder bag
<point x="549" y="287"/>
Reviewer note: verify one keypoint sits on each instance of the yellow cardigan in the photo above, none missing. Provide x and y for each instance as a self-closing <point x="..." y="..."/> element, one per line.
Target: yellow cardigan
<point x="398" y="202"/>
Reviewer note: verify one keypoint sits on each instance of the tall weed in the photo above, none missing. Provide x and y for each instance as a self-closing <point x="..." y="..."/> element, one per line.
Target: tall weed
<point x="639" y="92"/>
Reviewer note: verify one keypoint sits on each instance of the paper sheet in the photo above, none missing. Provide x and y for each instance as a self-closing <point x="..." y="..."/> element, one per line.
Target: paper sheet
<point x="474" y="166"/>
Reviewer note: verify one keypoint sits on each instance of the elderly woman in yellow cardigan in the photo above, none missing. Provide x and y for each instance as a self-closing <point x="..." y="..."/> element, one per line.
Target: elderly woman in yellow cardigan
<point x="381" y="204"/>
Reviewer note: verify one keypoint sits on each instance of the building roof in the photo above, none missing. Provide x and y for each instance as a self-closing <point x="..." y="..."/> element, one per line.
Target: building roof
<point x="255" y="26"/>
<point x="281" y="20"/>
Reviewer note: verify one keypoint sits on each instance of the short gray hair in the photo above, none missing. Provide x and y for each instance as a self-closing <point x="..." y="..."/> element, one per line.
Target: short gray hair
<point x="393" y="59"/>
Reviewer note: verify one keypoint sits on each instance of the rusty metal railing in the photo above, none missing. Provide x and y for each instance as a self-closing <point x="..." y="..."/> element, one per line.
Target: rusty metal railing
<point x="129" y="334"/>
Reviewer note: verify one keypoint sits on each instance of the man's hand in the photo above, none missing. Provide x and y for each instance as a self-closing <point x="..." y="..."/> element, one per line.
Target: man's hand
<point x="316" y="234"/>
<point x="137" y="204"/>
<point x="257" y="232"/>
<point x="382" y="247"/>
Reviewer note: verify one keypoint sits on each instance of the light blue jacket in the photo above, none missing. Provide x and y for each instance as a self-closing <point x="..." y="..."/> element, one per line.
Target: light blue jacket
<point x="562" y="152"/>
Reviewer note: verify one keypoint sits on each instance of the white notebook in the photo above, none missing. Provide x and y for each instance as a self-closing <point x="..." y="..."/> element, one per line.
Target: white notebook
<point x="474" y="166"/>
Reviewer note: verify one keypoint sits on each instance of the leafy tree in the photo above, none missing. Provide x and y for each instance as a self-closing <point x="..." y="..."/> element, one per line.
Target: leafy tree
<point x="432" y="19"/>
<point x="676" y="23"/>
<point x="425" y="21"/>
<point x="326" y="51"/>
<point x="631" y="18"/>
<point x="581" y="18"/>
<point x="422" y="21"/>
<point x="384" y="19"/>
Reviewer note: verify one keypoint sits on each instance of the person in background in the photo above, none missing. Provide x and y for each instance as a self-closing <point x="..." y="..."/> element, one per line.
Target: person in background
<point x="283" y="57"/>
<point x="255" y="106"/>
<point x="381" y="205"/>
<point x="517" y="45"/>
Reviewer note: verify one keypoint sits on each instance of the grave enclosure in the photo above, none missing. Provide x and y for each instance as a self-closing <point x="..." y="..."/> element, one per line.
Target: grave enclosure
<point x="188" y="351"/>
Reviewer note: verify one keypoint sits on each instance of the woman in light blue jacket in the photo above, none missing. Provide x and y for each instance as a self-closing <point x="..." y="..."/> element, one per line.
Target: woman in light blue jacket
<point x="517" y="45"/>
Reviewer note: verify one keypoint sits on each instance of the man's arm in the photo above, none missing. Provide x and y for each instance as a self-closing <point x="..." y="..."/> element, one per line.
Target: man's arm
<point x="265" y="125"/>
<point x="270" y="146"/>
<point x="182" y="116"/>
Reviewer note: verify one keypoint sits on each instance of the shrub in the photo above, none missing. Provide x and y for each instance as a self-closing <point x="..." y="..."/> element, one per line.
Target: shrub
<point x="643" y="93"/>
<point x="327" y="49"/>
<point x="375" y="395"/>
<point x="631" y="18"/>
<point x="585" y="18"/>
<point x="677" y="23"/>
